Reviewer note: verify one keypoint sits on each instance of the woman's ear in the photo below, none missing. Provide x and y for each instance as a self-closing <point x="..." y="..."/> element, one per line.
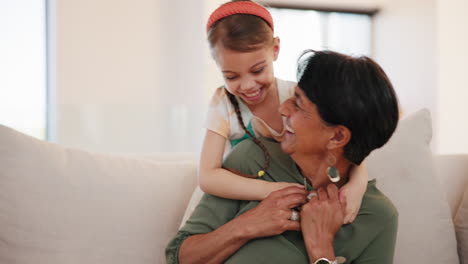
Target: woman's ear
<point x="276" y="48"/>
<point x="340" y="137"/>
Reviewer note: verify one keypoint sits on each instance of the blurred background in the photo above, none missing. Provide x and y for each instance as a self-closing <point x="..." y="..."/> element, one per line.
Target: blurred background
<point x="136" y="76"/>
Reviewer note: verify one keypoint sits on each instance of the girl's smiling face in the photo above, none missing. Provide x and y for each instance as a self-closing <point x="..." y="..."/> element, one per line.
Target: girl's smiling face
<point x="248" y="75"/>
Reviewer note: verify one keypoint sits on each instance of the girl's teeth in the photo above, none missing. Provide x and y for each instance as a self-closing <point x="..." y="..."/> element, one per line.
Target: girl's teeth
<point x="253" y="94"/>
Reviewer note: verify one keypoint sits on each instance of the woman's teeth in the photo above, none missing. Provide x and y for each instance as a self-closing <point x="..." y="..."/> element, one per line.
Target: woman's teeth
<point x="289" y="129"/>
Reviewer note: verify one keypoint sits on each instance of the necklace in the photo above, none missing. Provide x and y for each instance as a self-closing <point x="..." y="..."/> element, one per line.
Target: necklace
<point x="306" y="184"/>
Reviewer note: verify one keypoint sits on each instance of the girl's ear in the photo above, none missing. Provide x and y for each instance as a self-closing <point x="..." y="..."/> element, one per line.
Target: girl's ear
<point x="276" y="48"/>
<point x="340" y="137"/>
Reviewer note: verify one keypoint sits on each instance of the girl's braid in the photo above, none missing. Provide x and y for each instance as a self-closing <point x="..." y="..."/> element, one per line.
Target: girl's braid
<point x="235" y="103"/>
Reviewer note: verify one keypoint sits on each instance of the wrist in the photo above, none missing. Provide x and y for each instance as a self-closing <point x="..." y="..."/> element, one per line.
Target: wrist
<point x="325" y="261"/>
<point x="241" y="230"/>
<point x="266" y="188"/>
<point x="319" y="250"/>
<point x="322" y="253"/>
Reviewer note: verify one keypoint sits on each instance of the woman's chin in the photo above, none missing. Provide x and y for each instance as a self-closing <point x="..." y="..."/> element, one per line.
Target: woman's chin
<point x="286" y="147"/>
<point x="287" y="142"/>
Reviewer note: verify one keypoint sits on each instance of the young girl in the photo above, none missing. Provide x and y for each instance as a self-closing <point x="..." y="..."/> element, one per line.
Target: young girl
<point x="240" y="34"/>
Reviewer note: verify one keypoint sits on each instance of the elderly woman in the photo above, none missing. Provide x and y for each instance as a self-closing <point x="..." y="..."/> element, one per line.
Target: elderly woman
<point x="343" y="108"/>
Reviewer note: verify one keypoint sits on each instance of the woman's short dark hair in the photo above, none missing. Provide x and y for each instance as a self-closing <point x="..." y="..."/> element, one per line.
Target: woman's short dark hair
<point x="353" y="92"/>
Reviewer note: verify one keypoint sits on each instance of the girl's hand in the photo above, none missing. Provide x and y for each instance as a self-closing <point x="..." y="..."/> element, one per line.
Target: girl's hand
<point x="271" y="187"/>
<point x="353" y="204"/>
<point x="353" y="191"/>
<point x="321" y="218"/>
<point x="352" y="197"/>
<point x="272" y="216"/>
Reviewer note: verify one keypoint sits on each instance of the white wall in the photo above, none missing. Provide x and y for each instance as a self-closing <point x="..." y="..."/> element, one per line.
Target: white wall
<point x="405" y="46"/>
<point x="129" y="75"/>
<point x="452" y="94"/>
<point x="213" y="78"/>
<point x="422" y="46"/>
<point x="339" y="4"/>
<point x="135" y="76"/>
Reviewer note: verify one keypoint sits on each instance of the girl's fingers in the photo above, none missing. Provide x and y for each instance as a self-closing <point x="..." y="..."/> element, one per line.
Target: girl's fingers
<point x="298" y="185"/>
<point x="292" y="190"/>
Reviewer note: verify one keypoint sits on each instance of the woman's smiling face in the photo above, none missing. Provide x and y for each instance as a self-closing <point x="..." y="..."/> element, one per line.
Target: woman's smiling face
<point x="248" y="75"/>
<point x="306" y="133"/>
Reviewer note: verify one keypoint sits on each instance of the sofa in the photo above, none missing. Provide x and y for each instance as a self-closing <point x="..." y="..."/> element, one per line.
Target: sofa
<point x="60" y="205"/>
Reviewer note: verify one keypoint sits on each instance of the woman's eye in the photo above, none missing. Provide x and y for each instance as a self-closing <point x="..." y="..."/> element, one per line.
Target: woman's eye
<point x="230" y="78"/>
<point x="295" y="104"/>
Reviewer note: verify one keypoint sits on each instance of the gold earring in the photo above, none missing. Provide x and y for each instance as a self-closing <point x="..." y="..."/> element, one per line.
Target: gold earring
<point x="332" y="171"/>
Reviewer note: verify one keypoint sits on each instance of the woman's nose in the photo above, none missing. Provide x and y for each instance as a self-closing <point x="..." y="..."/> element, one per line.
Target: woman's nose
<point x="283" y="108"/>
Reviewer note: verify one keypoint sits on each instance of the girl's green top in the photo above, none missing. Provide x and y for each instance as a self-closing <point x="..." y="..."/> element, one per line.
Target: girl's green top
<point x="369" y="239"/>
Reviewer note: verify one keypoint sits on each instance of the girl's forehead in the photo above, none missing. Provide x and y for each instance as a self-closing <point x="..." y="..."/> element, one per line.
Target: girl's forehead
<point x="220" y="50"/>
<point x="231" y="58"/>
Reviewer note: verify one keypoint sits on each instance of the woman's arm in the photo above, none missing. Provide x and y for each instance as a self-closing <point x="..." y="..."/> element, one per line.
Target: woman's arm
<point x="215" y="180"/>
<point x="215" y="246"/>
<point x="382" y="248"/>
<point x="353" y="191"/>
<point x="269" y="218"/>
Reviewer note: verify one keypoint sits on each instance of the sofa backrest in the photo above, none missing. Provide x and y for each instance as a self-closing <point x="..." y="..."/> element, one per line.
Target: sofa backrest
<point x="60" y="205"/>
<point x="405" y="172"/>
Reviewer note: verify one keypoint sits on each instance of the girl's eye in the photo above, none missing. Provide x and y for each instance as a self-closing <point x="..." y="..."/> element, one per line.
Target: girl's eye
<point x="258" y="71"/>
<point x="230" y="78"/>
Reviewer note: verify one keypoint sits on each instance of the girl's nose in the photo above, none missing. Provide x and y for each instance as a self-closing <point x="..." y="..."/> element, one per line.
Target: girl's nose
<point x="248" y="83"/>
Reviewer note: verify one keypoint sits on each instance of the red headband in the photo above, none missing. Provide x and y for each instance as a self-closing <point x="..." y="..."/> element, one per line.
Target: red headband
<point x="242" y="7"/>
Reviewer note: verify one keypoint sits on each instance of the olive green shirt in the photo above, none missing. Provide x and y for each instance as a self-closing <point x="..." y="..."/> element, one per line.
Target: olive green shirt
<point x="369" y="239"/>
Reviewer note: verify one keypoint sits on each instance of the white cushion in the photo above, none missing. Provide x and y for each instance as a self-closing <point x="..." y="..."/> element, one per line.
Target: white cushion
<point x="194" y="200"/>
<point x="405" y="173"/>
<point x="451" y="170"/>
<point x="60" y="205"/>
<point x="461" y="228"/>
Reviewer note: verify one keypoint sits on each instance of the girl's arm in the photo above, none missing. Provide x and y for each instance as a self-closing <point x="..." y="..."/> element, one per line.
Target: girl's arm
<point x="353" y="191"/>
<point x="215" y="180"/>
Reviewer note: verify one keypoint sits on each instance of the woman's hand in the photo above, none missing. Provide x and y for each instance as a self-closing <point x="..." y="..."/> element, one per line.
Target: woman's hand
<point x="321" y="218"/>
<point x="272" y="216"/>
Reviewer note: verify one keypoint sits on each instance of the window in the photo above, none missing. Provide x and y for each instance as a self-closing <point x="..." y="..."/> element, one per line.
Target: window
<point x="23" y="66"/>
<point x="301" y="29"/>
